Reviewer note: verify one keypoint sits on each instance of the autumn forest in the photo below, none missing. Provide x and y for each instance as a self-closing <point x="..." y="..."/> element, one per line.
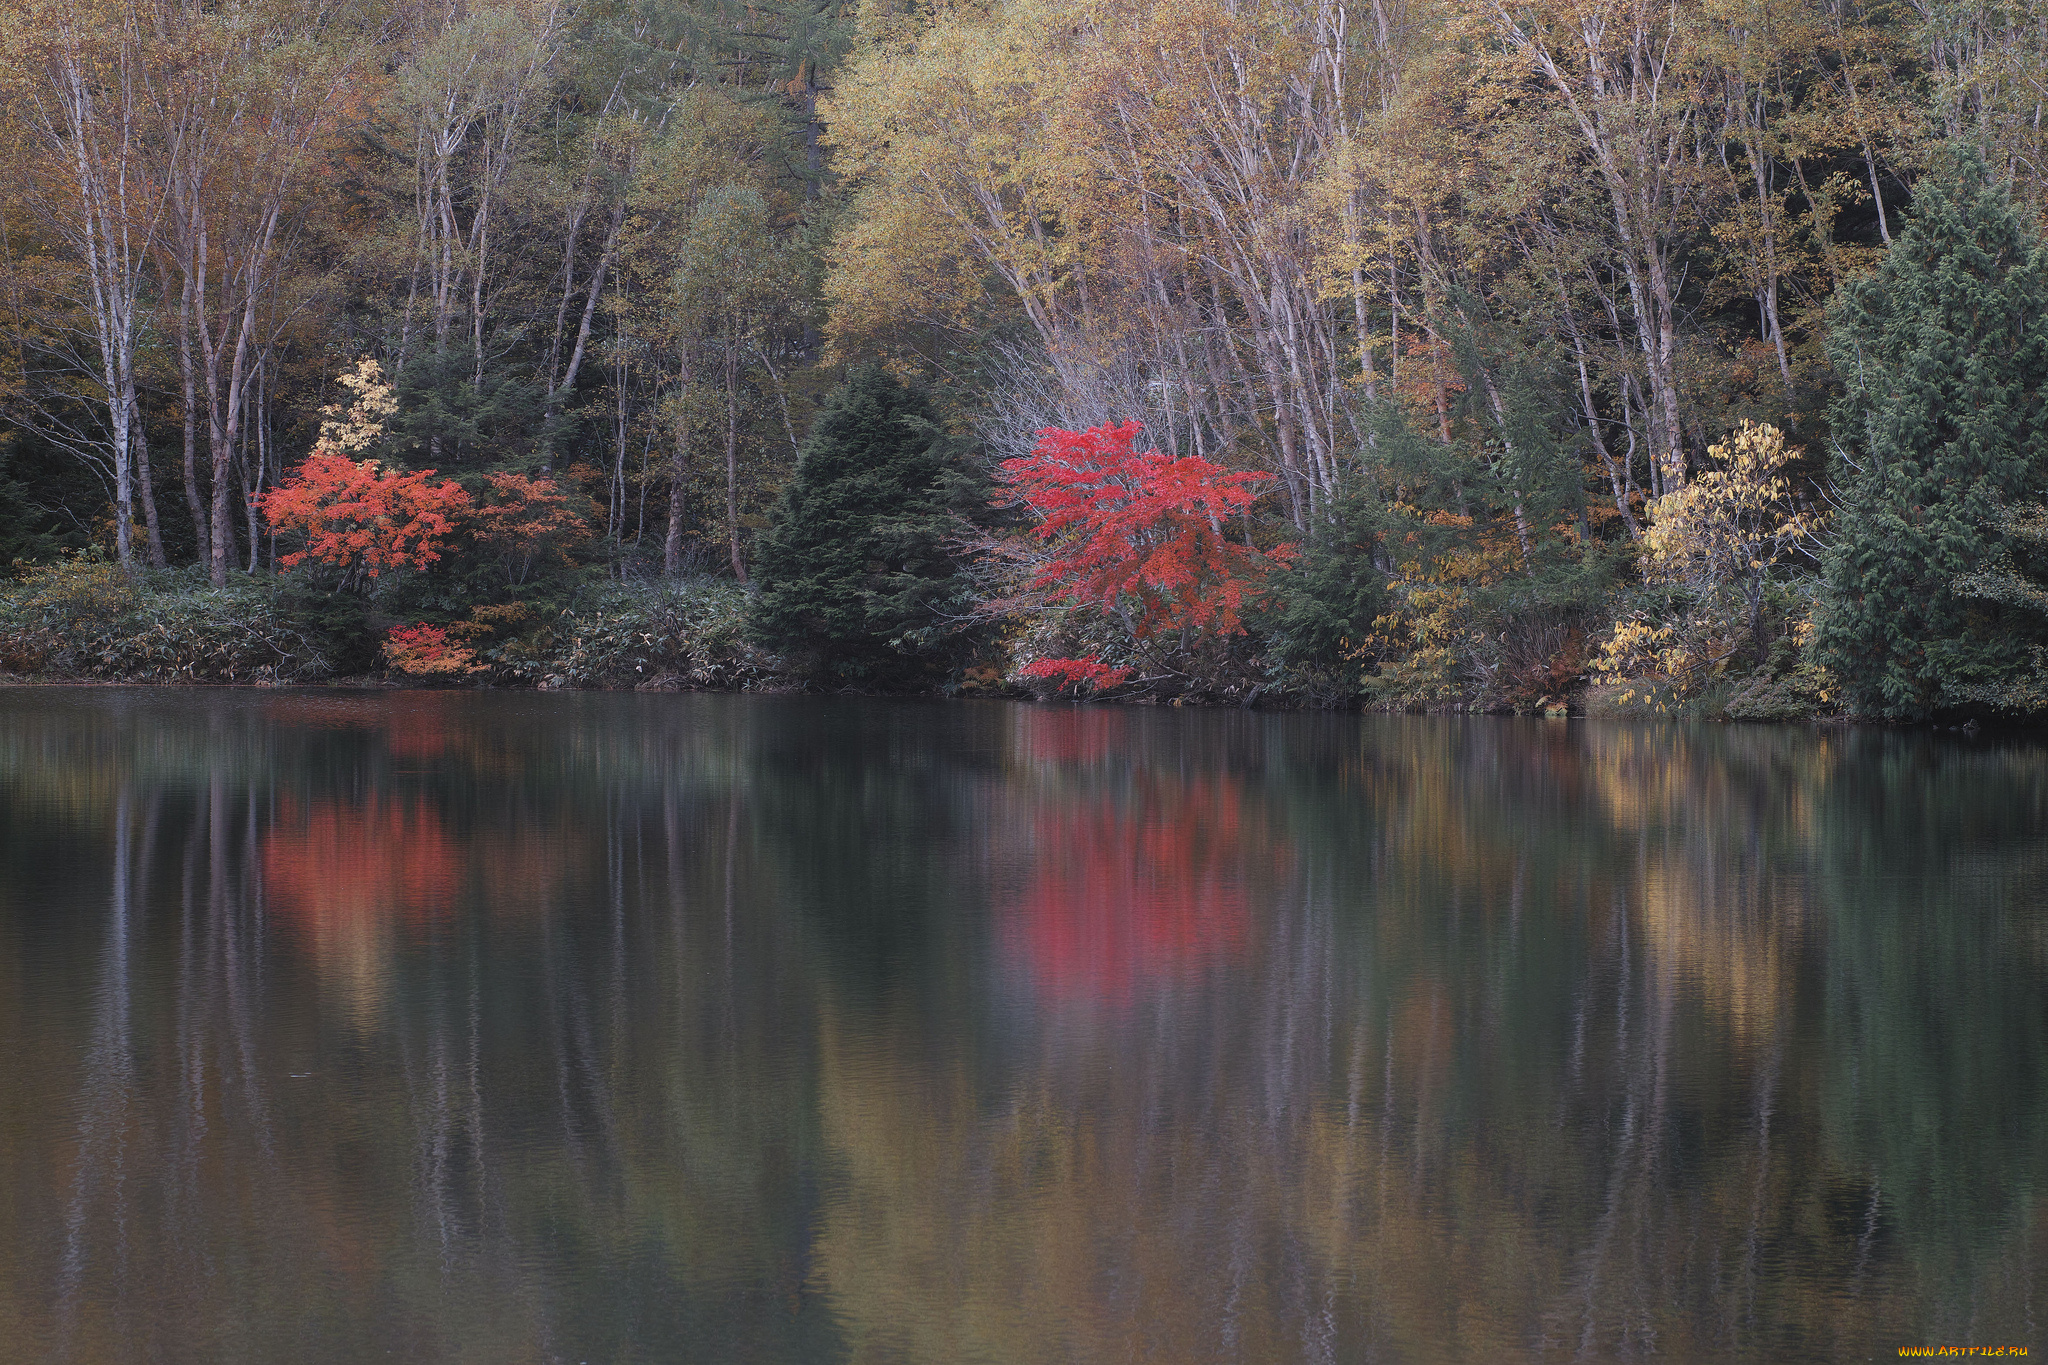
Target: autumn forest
<point x="1545" y="356"/>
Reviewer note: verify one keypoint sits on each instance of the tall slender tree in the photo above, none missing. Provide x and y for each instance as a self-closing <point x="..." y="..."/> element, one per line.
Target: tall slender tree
<point x="76" y="85"/>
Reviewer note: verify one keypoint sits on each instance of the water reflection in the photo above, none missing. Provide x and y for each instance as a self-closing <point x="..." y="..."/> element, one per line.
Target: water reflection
<point x="1144" y="886"/>
<point x="505" y="1028"/>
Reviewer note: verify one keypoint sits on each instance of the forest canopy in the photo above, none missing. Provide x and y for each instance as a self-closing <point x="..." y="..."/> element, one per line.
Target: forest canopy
<point x="1673" y="359"/>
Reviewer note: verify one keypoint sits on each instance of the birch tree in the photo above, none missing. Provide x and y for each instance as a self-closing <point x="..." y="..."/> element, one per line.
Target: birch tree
<point x="242" y="122"/>
<point x="76" y="98"/>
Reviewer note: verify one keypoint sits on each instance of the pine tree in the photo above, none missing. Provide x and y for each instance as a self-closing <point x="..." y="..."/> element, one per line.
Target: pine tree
<point x="21" y="535"/>
<point x="1944" y="425"/>
<point x="1321" y="616"/>
<point x="778" y="50"/>
<point x="855" y="568"/>
<point x="2018" y="580"/>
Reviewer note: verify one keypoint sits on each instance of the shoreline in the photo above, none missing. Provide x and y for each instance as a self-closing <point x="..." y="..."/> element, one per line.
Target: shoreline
<point x="1967" y="728"/>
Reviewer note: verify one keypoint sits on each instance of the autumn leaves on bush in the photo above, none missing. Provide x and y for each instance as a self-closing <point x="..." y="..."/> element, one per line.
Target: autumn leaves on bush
<point x="1139" y="536"/>
<point x="359" y="520"/>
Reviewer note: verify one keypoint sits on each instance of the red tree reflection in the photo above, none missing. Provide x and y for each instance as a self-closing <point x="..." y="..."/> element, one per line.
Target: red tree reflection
<point x="342" y="866"/>
<point x="1129" y="894"/>
<point x="1077" y="735"/>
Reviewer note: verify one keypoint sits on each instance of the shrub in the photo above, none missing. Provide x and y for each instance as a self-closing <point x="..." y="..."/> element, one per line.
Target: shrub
<point x="519" y="521"/>
<point x="424" y="651"/>
<point x="1057" y="651"/>
<point x="1721" y="536"/>
<point x="83" y="618"/>
<point x="688" y="633"/>
<point x="1319" y="618"/>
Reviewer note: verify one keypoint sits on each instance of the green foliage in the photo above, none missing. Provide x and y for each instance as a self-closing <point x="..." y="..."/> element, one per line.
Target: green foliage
<point x="1491" y="597"/>
<point x="667" y="635"/>
<point x="858" y="574"/>
<point x="1670" y="676"/>
<point x="1787" y="685"/>
<point x="500" y="420"/>
<point x="342" y="622"/>
<point x="1945" y="351"/>
<point x="30" y="472"/>
<point x="2019" y="579"/>
<point x="1320" y="615"/>
<point x="20" y="537"/>
<point x="1198" y="667"/>
<point x="794" y="44"/>
<point x="82" y="617"/>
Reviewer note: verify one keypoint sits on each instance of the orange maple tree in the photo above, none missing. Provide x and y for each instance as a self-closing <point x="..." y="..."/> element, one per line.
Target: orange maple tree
<point x="1139" y="533"/>
<point x="520" y="518"/>
<point x="425" y="651"/>
<point x="363" y="519"/>
<point x="357" y="516"/>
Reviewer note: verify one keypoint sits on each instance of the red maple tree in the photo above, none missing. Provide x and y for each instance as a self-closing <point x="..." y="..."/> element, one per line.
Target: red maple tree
<point x="1089" y="672"/>
<point x="363" y="519"/>
<point x="1139" y="533"/>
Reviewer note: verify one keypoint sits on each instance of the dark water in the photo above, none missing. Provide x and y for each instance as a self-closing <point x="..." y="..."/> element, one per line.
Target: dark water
<point x="626" y="1028"/>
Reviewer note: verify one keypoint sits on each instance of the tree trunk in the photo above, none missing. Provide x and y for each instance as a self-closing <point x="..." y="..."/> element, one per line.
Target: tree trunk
<point x="679" y="474"/>
<point x="732" y="460"/>
<point x="679" y="470"/>
<point x="201" y="532"/>
<point x="148" y="489"/>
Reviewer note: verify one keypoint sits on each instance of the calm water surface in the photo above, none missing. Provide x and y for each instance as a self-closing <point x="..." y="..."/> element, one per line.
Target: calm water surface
<point x="498" y="1028"/>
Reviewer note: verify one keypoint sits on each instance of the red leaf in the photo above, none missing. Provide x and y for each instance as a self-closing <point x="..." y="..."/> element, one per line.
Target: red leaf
<point x="1140" y="527"/>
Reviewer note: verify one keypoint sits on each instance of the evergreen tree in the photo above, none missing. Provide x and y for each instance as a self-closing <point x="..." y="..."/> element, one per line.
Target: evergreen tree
<point x="1945" y="351"/>
<point x="855" y="569"/>
<point x="782" y="51"/>
<point x="2019" y="580"/>
<point x="1321" y="615"/>
<point x="23" y="532"/>
<point x="453" y="412"/>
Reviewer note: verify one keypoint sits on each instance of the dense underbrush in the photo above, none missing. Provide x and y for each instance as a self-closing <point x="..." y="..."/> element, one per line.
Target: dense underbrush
<point x="83" y="618"/>
<point x="658" y="636"/>
<point x="1543" y="652"/>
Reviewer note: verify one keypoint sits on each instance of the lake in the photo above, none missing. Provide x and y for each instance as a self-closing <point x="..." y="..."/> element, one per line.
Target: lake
<point x="443" y="1026"/>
